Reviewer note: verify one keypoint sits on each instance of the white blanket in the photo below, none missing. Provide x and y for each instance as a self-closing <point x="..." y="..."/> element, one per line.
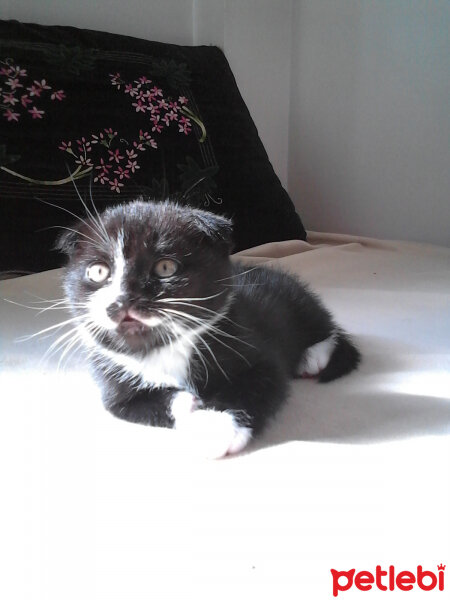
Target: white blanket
<point x="352" y="474"/>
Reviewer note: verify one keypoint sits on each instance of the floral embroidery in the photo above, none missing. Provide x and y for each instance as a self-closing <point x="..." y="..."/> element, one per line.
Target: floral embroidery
<point x="17" y="90"/>
<point x="118" y="158"/>
<point x="105" y="154"/>
<point x="149" y="101"/>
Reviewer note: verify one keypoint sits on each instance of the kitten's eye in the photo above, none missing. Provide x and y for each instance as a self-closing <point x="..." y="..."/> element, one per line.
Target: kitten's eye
<point x="98" y="272"/>
<point x="166" y="267"/>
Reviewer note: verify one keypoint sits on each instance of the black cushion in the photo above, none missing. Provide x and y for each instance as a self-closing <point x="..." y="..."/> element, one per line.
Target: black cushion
<point x="119" y="117"/>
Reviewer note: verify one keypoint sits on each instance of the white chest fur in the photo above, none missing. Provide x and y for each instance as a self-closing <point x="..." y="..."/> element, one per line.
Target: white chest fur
<point x="164" y="367"/>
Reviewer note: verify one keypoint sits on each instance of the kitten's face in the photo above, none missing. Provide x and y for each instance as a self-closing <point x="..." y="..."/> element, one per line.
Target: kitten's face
<point x="145" y="274"/>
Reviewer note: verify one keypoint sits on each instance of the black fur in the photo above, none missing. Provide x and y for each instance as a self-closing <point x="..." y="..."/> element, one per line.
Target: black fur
<point x="244" y="363"/>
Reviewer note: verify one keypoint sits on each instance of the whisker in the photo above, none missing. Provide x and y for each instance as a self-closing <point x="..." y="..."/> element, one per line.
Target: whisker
<point x="208" y="332"/>
<point x="99" y="219"/>
<point x="94" y="231"/>
<point x="76" y="339"/>
<point x="212" y="327"/>
<point x="194" y="346"/>
<point x="239" y="274"/>
<point x="58" y="343"/>
<point x="99" y="227"/>
<point x="241" y="285"/>
<point x="60" y="306"/>
<point x="191" y="299"/>
<point x="95" y="243"/>
<point x="51" y="328"/>
<point x="213" y="312"/>
<point x="207" y="346"/>
<point x="56" y="306"/>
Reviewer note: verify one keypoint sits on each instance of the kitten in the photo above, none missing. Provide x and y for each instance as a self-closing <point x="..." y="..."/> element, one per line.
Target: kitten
<point x="179" y="336"/>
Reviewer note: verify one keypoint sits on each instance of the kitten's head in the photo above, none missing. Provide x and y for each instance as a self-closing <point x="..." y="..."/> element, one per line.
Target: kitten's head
<point x="142" y="274"/>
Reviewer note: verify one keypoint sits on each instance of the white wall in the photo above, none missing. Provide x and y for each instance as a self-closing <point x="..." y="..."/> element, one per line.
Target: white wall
<point x="163" y="20"/>
<point x="370" y="128"/>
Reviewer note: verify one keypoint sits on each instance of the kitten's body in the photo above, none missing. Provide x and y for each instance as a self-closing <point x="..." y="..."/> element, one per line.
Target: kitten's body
<point x="208" y="348"/>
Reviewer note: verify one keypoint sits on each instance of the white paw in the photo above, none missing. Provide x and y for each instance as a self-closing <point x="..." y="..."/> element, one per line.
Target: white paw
<point x="316" y="358"/>
<point x="182" y="405"/>
<point x="213" y="434"/>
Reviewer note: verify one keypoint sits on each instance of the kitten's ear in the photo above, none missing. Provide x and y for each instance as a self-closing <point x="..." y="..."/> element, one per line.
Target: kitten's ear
<point x="68" y="241"/>
<point x="216" y="228"/>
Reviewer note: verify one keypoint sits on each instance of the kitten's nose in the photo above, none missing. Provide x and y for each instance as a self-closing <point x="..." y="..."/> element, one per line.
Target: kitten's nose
<point x="117" y="310"/>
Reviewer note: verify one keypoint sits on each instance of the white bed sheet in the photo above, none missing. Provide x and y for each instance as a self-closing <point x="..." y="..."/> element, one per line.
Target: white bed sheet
<point x="351" y="474"/>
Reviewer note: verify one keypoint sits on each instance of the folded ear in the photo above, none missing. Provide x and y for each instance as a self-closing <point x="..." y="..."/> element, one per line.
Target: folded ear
<point x="68" y="240"/>
<point x="216" y="228"/>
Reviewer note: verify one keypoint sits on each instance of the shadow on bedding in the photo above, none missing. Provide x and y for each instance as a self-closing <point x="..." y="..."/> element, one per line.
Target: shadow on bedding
<point x="399" y="392"/>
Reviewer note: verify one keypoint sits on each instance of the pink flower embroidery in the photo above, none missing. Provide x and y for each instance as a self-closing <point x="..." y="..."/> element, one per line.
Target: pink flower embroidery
<point x="36" y="113"/>
<point x="122" y="173"/>
<point x="66" y="146"/>
<point x="156" y="110"/>
<point x="98" y="139"/>
<point x="24" y="100"/>
<point x="59" y="95"/>
<point x="156" y="91"/>
<point x="132" y="165"/>
<point x="102" y="177"/>
<point x="9" y="98"/>
<point x="10" y="76"/>
<point x="139" y="146"/>
<point x="163" y="111"/>
<point x="140" y="107"/>
<point x="131" y="154"/>
<point x="42" y="84"/>
<point x="105" y="166"/>
<point x="172" y="115"/>
<point x="20" y="72"/>
<point x="156" y="124"/>
<point x="14" y="83"/>
<point x="115" y="185"/>
<point x="10" y="115"/>
<point x="110" y="132"/>
<point x="115" y="155"/>
<point x="83" y="161"/>
<point x="184" y="125"/>
<point x="34" y="91"/>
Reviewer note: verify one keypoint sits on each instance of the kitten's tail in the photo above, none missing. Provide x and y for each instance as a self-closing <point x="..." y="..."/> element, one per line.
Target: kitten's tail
<point x="344" y="359"/>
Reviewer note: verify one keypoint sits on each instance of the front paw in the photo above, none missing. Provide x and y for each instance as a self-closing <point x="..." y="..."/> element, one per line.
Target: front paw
<point x="183" y="403"/>
<point x="213" y="434"/>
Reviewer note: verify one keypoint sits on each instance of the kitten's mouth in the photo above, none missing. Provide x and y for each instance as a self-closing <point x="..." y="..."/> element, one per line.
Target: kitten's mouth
<point x="129" y="319"/>
<point x="131" y="325"/>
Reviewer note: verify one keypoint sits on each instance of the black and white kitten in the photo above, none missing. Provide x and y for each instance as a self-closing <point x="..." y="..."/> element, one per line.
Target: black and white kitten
<point x="179" y="336"/>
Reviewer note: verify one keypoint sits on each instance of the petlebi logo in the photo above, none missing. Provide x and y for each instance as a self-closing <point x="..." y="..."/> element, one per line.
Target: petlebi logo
<point x="389" y="579"/>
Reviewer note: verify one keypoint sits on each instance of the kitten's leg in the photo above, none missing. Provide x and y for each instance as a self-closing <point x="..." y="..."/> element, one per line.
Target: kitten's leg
<point x="225" y="422"/>
<point x="145" y="406"/>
